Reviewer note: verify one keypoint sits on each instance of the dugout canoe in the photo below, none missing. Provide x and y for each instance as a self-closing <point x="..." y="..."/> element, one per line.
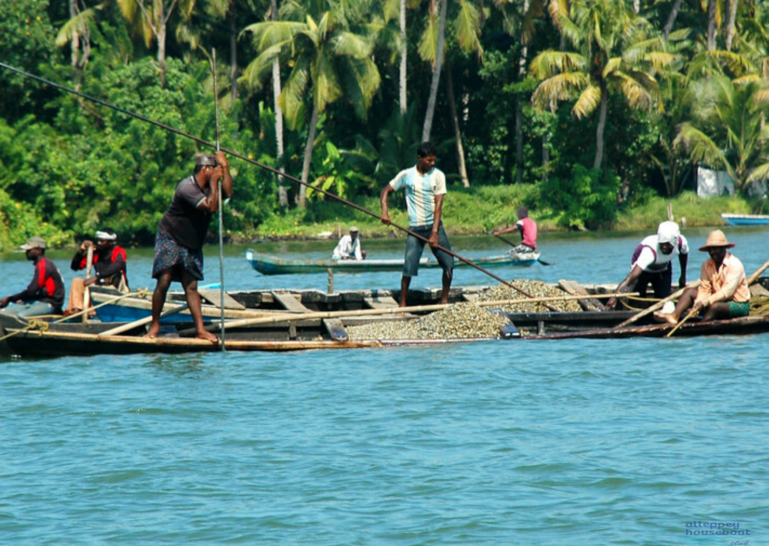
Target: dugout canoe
<point x="745" y="219"/>
<point x="273" y="265"/>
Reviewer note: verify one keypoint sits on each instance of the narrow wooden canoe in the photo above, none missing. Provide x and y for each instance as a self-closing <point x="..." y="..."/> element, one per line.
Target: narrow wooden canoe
<point x="745" y="219"/>
<point x="272" y="265"/>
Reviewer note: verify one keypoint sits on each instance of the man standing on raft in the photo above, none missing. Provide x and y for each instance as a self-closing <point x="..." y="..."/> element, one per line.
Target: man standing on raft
<point x="182" y="231"/>
<point x="425" y="187"/>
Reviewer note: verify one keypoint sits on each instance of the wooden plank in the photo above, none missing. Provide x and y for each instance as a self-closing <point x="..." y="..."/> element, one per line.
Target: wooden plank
<point x="290" y="303"/>
<point x="380" y="302"/>
<point x="335" y="329"/>
<point x="576" y="289"/>
<point x="214" y="297"/>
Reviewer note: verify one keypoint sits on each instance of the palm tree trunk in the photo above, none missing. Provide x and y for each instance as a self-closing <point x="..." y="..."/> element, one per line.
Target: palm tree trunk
<point x="276" y="90"/>
<point x="302" y="201"/>
<point x="672" y="18"/>
<point x="519" y="108"/>
<point x="404" y="51"/>
<point x="162" y="30"/>
<point x="457" y="133"/>
<point x="75" y="45"/>
<point x="711" y="25"/>
<point x="427" y="128"/>
<point x="601" y="126"/>
<point x="233" y="56"/>
<point x="732" y="17"/>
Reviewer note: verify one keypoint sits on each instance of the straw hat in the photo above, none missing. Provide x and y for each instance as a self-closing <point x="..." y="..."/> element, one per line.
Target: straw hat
<point x="353" y="229"/>
<point x="716" y="238"/>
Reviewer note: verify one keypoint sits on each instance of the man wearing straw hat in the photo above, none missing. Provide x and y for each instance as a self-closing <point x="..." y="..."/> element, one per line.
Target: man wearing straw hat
<point x="181" y="234"/>
<point x="723" y="290"/>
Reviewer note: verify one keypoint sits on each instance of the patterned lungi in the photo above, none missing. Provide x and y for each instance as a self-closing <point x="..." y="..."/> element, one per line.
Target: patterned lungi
<point x="171" y="255"/>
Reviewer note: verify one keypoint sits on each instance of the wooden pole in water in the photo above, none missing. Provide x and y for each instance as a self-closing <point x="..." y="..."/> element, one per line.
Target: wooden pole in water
<point x="221" y="221"/>
<point x="87" y="291"/>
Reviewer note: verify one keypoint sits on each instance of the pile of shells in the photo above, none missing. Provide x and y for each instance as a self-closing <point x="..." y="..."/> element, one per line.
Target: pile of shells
<point x="536" y="289"/>
<point x="459" y="321"/>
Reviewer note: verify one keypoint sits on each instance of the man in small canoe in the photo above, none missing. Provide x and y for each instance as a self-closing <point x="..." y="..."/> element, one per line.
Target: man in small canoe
<point x="109" y="262"/>
<point x="723" y="290"/>
<point x="45" y="294"/>
<point x="348" y="247"/>
<point x="652" y="263"/>
<point x="425" y="188"/>
<point x="528" y="229"/>
<point x="181" y="234"/>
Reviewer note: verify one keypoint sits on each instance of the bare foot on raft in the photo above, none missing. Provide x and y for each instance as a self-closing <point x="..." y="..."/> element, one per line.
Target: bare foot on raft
<point x="208" y="336"/>
<point x="152" y="332"/>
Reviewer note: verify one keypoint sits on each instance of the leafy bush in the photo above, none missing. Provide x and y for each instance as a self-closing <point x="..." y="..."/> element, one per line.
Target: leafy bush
<point x="587" y="199"/>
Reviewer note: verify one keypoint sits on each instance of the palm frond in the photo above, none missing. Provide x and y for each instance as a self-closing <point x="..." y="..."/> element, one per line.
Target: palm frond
<point x="294" y="90"/>
<point x="587" y="102"/>
<point x="700" y="147"/>
<point x="75" y="27"/>
<point x="467" y="27"/>
<point x="558" y="88"/>
<point x="552" y="62"/>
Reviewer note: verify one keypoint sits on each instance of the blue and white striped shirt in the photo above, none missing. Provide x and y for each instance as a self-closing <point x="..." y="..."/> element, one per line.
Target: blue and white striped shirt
<point x="421" y="190"/>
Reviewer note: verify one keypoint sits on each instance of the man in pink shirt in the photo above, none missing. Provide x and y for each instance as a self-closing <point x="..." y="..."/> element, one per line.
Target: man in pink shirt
<point x="723" y="290"/>
<point x="528" y="229"/>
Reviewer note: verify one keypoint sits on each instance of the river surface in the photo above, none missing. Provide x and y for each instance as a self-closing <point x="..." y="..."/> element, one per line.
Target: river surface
<point x="572" y="442"/>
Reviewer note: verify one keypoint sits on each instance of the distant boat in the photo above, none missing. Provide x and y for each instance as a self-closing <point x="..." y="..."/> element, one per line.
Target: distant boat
<point x="272" y="265"/>
<point x="745" y="219"/>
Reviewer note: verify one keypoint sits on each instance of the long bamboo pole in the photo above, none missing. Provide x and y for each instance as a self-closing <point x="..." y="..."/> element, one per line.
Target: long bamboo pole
<point x="658" y="305"/>
<point x="263" y="166"/>
<point x="221" y="221"/>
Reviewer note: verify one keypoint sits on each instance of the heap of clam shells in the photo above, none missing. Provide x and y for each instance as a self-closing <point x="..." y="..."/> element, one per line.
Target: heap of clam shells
<point x="466" y="320"/>
<point x="535" y="289"/>
<point x="459" y="321"/>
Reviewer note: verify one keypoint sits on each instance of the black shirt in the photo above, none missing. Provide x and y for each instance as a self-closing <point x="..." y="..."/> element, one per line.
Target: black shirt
<point x="184" y="222"/>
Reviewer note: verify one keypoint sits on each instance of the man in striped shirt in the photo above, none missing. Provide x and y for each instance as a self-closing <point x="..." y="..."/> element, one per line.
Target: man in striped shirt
<point x="425" y="187"/>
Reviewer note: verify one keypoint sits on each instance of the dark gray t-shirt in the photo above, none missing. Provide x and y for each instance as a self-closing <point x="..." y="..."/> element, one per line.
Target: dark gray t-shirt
<point x="183" y="221"/>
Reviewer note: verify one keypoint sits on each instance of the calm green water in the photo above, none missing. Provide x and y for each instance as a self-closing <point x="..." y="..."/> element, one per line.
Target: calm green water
<point x="554" y="442"/>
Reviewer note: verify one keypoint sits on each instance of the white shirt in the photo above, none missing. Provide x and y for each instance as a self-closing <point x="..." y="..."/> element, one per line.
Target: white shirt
<point x="649" y="257"/>
<point x="347" y="248"/>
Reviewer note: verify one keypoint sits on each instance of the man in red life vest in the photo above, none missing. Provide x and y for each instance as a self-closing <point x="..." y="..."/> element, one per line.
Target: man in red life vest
<point x="109" y="262"/>
<point x="45" y="294"/>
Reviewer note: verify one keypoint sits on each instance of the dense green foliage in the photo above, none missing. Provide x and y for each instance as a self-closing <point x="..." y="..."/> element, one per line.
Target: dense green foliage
<point x="579" y="101"/>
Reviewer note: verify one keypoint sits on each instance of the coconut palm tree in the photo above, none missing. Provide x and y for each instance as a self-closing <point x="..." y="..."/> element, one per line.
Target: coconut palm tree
<point x="728" y="132"/>
<point x="330" y="55"/>
<point x="150" y="18"/>
<point x="613" y="53"/>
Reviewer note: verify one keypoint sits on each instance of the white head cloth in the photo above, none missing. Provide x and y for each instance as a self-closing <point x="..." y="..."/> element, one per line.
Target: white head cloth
<point x="668" y="232"/>
<point x="104" y="236"/>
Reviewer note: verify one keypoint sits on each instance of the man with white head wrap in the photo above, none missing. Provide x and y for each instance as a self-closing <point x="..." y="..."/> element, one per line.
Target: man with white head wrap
<point x="109" y="262"/>
<point x="652" y="263"/>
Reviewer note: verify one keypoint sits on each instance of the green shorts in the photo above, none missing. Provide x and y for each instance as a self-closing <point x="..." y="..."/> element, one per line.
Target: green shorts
<point x="737" y="310"/>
